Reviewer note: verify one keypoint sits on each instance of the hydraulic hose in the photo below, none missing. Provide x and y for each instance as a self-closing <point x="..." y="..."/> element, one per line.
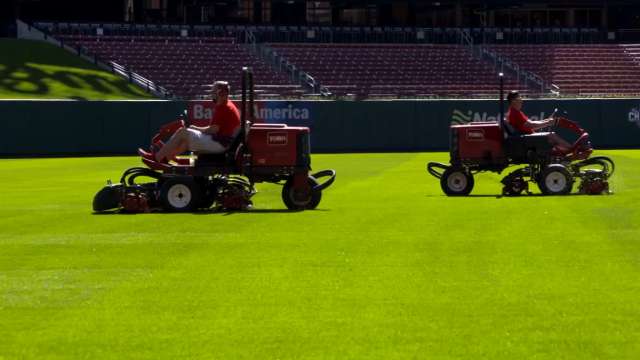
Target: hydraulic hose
<point x="131" y="174"/>
<point x="324" y="173"/>
<point x="432" y="166"/>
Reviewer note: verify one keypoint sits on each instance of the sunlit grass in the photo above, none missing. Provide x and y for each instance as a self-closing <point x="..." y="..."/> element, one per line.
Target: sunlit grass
<point x="387" y="268"/>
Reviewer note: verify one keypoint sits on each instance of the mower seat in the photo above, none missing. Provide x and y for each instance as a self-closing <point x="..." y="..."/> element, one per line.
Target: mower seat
<point x="528" y="148"/>
<point x="524" y="148"/>
<point x="226" y="158"/>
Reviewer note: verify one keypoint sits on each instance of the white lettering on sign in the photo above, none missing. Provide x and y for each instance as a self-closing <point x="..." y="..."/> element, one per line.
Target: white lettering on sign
<point x="634" y="116"/>
<point x="202" y="113"/>
<point x="277" y="138"/>
<point x="288" y="113"/>
<point x="460" y="117"/>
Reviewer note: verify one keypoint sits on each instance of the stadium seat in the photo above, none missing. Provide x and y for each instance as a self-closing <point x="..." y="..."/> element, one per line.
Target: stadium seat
<point x="591" y="69"/>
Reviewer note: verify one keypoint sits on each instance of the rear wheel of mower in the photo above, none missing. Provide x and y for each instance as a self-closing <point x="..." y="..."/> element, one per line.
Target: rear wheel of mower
<point x="555" y="179"/>
<point x="456" y="181"/>
<point x="296" y="201"/>
<point x="180" y="194"/>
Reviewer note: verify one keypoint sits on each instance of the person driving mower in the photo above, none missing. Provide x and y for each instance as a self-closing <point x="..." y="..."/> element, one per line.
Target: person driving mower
<point x="522" y="124"/>
<point x="212" y="139"/>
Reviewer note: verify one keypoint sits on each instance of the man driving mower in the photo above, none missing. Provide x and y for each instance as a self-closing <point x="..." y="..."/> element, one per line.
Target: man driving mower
<point x="212" y="139"/>
<point x="522" y="124"/>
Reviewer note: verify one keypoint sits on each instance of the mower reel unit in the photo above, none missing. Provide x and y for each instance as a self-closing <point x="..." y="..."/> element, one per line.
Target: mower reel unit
<point x="493" y="146"/>
<point x="275" y="153"/>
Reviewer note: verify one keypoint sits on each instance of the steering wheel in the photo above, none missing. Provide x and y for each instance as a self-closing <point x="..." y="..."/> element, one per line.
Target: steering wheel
<point x="184" y="117"/>
<point x="556" y="121"/>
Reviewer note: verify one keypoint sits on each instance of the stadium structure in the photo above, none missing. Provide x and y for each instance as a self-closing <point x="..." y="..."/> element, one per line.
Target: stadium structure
<point x="351" y="49"/>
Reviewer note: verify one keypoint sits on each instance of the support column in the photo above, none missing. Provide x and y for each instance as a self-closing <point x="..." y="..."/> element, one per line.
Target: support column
<point x="459" y="13"/>
<point x="163" y="10"/>
<point x="571" y="18"/>
<point x="128" y="11"/>
<point x="266" y="11"/>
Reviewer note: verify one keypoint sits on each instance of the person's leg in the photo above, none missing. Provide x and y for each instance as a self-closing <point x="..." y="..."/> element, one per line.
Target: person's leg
<point x="560" y="143"/>
<point x="203" y="143"/>
<point x="178" y="143"/>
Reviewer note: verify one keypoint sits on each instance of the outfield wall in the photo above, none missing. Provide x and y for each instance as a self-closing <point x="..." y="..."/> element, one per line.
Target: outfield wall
<point x="120" y="127"/>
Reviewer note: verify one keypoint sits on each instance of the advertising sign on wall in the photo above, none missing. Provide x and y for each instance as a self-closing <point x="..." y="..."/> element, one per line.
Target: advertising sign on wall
<point x="296" y="113"/>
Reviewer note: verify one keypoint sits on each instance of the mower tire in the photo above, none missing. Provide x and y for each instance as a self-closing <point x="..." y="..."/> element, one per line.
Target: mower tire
<point x="295" y="201"/>
<point x="555" y="179"/>
<point x="180" y="194"/>
<point x="456" y="181"/>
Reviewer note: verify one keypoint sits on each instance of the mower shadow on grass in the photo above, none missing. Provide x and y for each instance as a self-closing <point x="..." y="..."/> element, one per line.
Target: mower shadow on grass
<point x="509" y="197"/>
<point x="207" y="212"/>
<point x="250" y="211"/>
<point x="499" y="196"/>
<point x="468" y="196"/>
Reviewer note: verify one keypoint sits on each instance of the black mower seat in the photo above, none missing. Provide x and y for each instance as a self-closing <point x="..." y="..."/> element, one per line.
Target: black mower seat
<point x="226" y="158"/>
<point x="207" y="159"/>
<point x="529" y="147"/>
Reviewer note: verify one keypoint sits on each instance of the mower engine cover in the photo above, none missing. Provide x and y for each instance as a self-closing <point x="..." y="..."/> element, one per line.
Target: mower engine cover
<point x="279" y="146"/>
<point x="477" y="143"/>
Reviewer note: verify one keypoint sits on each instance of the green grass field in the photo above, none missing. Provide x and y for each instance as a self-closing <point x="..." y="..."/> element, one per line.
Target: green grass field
<point x="386" y="268"/>
<point x="39" y="70"/>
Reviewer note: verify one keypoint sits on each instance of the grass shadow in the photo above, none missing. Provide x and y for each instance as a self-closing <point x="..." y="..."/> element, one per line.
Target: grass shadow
<point x="11" y="81"/>
<point x="40" y="69"/>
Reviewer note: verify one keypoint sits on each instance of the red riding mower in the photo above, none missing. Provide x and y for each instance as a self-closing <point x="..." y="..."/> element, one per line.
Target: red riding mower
<point x="260" y="153"/>
<point x="493" y="146"/>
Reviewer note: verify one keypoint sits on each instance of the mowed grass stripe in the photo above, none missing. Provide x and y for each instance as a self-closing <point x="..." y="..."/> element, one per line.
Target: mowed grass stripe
<point x="386" y="268"/>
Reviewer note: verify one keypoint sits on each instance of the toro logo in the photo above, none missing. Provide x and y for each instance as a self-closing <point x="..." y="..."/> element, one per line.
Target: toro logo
<point x="475" y="135"/>
<point x="277" y="138"/>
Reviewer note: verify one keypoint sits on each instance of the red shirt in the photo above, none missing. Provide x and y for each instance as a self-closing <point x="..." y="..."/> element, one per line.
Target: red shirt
<point x="227" y="118"/>
<point x="518" y="120"/>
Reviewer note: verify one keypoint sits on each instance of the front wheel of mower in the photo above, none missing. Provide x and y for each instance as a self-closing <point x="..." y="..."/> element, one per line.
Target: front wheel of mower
<point x="555" y="179"/>
<point x="299" y="200"/>
<point x="456" y="181"/>
<point x="180" y="194"/>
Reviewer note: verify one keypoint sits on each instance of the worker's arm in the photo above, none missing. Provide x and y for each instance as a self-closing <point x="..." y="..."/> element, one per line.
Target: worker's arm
<point x="535" y="125"/>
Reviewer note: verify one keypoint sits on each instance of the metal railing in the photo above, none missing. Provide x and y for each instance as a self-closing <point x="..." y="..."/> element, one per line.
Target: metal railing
<point x="283" y="65"/>
<point x="138" y="79"/>
<point x="502" y="64"/>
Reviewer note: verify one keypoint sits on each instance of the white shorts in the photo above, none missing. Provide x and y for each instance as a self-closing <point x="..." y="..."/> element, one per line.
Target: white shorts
<point x="201" y="142"/>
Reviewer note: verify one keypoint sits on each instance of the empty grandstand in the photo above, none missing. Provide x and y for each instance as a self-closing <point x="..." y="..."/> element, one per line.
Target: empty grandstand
<point x="362" y="49"/>
<point x="383" y="70"/>
<point x="593" y="69"/>
<point x="186" y="66"/>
